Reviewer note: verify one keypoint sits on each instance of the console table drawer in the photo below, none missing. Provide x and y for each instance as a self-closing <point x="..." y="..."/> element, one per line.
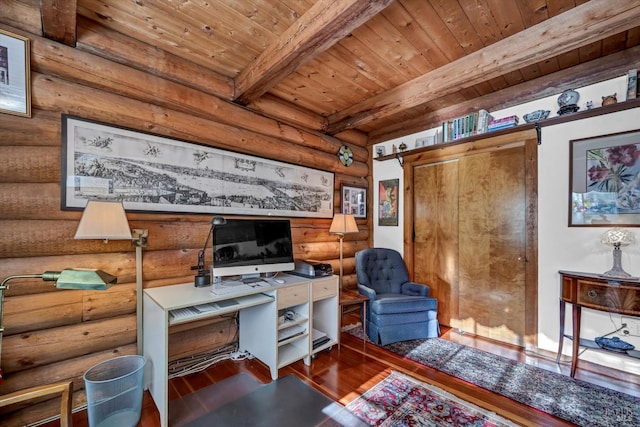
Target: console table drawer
<point x="293" y="295"/>
<point x="324" y="289"/>
<point x="609" y="297"/>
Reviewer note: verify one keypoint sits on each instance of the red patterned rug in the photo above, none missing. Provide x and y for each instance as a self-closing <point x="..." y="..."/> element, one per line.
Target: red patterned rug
<point x="400" y="400"/>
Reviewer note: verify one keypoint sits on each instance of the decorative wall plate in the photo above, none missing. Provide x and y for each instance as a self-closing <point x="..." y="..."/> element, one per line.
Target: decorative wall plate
<point x="345" y="155"/>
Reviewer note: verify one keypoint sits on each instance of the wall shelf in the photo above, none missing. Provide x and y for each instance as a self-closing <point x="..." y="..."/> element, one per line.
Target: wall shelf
<point x="580" y="115"/>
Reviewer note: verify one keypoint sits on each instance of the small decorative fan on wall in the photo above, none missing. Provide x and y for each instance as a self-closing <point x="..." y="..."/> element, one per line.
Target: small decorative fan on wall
<point x="345" y="155"/>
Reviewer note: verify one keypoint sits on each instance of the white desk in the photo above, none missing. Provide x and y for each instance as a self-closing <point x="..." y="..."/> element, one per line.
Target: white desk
<point x="314" y="301"/>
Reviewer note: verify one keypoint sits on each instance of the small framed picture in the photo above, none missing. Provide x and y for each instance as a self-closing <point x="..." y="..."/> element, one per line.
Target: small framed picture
<point x="388" y="202"/>
<point x="353" y="200"/>
<point x="15" y="74"/>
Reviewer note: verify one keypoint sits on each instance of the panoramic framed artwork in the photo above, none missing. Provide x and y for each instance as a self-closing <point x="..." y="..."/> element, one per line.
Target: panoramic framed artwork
<point x="15" y="74"/>
<point x="353" y="200"/>
<point x="388" y="202"/>
<point x="604" y="180"/>
<point x="149" y="172"/>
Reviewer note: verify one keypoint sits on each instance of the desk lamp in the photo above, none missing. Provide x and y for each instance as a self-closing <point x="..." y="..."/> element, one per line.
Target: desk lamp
<point x="617" y="237"/>
<point x="71" y="278"/>
<point x="343" y="224"/>
<point x="106" y="220"/>
<point x="203" y="278"/>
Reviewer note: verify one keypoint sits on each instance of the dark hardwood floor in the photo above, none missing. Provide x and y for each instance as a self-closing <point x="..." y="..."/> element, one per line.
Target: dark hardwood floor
<point x="348" y="370"/>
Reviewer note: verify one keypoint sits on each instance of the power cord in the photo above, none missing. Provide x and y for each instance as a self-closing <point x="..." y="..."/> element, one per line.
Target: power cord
<point x="198" y="363"/>
<point x="240" y="355"/>
<point x="624" y="325"/>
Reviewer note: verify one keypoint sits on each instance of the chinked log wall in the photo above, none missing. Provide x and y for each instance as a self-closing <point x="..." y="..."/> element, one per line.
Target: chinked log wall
<point x="53" y="335"/>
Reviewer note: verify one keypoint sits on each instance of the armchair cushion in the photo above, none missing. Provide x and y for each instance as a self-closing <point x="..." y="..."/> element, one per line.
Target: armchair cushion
<point x="415" y="289"/>
<point x="399" y="303"/>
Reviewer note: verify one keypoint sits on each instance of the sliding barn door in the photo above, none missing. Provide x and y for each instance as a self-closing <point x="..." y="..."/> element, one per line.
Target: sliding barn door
<point x="436" y="233"/>
<point x="469" y="241"/>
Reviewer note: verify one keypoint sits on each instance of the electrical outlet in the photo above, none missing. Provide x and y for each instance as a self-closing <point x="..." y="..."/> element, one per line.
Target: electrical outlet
<point x="633" y="326"/>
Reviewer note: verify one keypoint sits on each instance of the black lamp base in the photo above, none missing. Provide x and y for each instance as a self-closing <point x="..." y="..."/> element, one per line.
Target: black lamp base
<point x="202" y="279"/>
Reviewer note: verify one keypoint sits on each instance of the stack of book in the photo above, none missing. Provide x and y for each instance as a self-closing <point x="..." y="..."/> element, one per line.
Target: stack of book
<point x="503" y="123"/>
<point x="484" y="118"/>
<point x="290" y="332"/>
<point x="319" y="338"/>
<point x="465" y="126"/>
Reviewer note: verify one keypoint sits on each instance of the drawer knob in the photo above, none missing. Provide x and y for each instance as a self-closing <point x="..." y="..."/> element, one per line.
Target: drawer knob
<point x="592" y="294"/>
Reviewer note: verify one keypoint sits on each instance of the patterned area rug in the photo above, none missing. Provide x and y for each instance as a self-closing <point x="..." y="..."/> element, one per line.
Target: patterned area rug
<point x="573" y="400"/>
<point x="400" y="400"/>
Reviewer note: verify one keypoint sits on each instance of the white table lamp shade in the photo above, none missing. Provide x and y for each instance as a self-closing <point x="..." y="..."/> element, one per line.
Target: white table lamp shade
<point x="343" y="224"/>
<point x="103" y="220"/>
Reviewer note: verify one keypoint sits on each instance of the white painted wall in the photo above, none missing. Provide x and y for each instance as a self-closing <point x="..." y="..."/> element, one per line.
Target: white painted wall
<point x="560" y="247"/>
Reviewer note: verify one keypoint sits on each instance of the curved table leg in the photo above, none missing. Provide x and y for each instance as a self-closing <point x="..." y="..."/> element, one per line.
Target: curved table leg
<point x="576" y="338"/>
<point x="561" y="337"/>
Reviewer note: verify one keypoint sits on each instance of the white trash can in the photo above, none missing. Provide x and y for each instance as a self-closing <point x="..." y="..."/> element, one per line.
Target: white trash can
<point x="114" y="391"/>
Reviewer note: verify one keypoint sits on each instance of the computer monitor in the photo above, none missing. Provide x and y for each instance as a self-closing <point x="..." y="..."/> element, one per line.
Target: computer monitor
<point x="252" y="248"/>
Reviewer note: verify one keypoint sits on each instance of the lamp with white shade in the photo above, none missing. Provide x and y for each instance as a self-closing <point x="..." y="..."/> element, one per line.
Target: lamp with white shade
<point x="617" y="237"/>
<point x="107" y="220"/>
<point x="343" y="224"/>
<point x="103" y="220"/>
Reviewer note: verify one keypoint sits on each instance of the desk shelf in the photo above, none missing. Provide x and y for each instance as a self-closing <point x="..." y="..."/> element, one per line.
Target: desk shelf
<point x="297" y="320"/>
<point x="243" y="302"/>
<point x="293" y="351"/>
<point x="325" y="313"/>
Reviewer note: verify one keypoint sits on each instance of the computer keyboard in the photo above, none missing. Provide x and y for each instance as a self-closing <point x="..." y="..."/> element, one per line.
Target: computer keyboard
<point x="236" y="286"/>
<point x="183" y="313"/>
<point x="229" y="289"/>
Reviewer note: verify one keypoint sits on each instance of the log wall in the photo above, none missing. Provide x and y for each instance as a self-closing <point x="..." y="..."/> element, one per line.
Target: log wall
<point x="53" y="335"/>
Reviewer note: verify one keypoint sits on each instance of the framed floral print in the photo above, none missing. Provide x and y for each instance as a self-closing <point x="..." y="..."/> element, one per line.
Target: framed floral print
<point x="604" y="181"/>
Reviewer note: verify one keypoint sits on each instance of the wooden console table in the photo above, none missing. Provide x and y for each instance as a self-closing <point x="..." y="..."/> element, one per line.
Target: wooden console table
<point x="597" y="292"/>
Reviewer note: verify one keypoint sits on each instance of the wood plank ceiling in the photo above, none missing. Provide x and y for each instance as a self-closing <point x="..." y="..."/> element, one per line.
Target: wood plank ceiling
<point x="386" y="68"/>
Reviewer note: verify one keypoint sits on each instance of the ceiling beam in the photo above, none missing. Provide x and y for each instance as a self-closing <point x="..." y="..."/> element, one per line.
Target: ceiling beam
<point x="323" y="25"/>
<point x="581" y="75"/>
<point x="578" y="27"/>
<point x="59" y="20"/>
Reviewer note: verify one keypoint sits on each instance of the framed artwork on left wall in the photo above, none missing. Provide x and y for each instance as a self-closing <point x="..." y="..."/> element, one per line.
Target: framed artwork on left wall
<point x="149" y="172"/>
<point x="353" y="200"/>
<point x="15" y="74"/>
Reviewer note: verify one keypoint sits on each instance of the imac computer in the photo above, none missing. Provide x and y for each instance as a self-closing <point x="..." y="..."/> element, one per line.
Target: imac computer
<point x="252" y="248"/>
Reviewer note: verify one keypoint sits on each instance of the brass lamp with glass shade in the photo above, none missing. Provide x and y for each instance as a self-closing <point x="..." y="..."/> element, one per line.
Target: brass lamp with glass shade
<point x="107" y="220"/>
<point x="617" y="237"/>
<point x="343" y="224"/>
<point x="71" y="278"/>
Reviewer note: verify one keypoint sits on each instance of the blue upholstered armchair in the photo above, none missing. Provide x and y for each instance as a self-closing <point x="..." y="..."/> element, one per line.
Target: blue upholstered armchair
<point x="398" y="309"/>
